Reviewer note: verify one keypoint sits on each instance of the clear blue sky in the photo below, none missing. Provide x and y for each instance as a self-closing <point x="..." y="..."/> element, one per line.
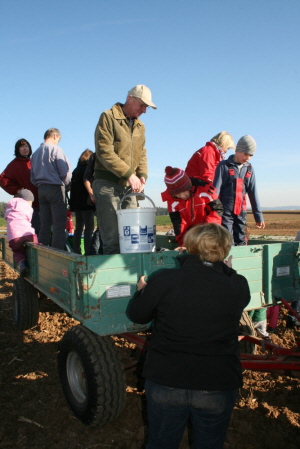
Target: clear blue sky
<point x="212" y="65"/>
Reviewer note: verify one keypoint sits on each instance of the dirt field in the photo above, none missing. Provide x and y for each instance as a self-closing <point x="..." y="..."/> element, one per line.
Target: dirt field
<point x="277" y="223"/>
<point x="283" y="223"/>
<point x="34" y="413"/>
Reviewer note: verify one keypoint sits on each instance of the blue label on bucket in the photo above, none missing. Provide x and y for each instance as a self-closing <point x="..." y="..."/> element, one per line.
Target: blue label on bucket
<point x="143" y="231"/>
<point x="135" y="239"/>
<point x="150" y="238"/>
<point x="126" y="230"/>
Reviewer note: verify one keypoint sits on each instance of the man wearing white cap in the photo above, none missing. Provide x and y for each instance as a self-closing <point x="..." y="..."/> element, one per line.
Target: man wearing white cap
<point x="121" y="161"/>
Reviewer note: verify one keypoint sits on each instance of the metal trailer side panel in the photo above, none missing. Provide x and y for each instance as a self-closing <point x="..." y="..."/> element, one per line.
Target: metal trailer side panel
<point x="272" y="273"/>
<point x="248" y="261"/>
<point x="281" y="271"/>
<point x="95" y="290"/>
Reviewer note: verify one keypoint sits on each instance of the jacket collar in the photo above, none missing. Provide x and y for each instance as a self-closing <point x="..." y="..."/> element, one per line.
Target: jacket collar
<point x="118" y="114"/>
<point x="231" y="161"/>
<point x="211" y="144"/>
<point x="193" y="259"/>
<point x="23" y="158"/>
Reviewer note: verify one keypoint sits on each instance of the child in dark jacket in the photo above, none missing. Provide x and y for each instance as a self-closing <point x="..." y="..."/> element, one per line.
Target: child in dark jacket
<point x="19" y="230"/>
<point x="84" y="212"/>
<point x="234" y="180"/>
<point x="189" y="205"/>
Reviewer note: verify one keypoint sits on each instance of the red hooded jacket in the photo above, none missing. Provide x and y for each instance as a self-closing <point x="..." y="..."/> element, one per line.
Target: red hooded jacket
<point x="204" y="162"/>
<point x="202" y="206"/>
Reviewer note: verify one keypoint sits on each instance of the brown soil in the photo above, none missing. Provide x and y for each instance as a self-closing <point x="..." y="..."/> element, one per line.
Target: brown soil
<point x="274" y="229"/>
<point x="34" y="413"/>
<point x="277" y="223"/>
<point x="290" y="233"/>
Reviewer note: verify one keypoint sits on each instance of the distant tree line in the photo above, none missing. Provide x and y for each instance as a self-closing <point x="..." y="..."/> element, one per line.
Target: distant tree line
<point x="162" y="211"/>
<point x="2" y="209"/>
<point x="159" y="210"/>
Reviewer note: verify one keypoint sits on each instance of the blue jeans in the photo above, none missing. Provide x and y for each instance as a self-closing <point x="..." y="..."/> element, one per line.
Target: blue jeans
<point x="53" y="212"/>
<point x="236" y="225"/>
<point x="170" y="409"/>
<point x="108" y="195"/>
<point x="84" y="220"/>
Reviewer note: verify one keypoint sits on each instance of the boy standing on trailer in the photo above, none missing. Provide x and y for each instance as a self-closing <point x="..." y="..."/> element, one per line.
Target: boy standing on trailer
<point x="234" y="179"/>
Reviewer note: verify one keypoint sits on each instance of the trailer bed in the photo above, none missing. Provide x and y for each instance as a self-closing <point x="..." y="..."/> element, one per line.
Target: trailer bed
<point x="95" y="290"/>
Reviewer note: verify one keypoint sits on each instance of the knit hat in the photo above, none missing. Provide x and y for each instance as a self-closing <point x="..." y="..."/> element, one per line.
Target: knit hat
<point x="177" y="180"/>
<point x="144" y="93"/>
<point x="246" y="144"/>
<point x="26" y="194"/>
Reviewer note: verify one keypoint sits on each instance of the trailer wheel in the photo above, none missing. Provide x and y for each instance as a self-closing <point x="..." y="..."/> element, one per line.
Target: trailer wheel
<point x="92" y="376"/>
<point x="247" y="327"/>
<point x="25" y="304"/>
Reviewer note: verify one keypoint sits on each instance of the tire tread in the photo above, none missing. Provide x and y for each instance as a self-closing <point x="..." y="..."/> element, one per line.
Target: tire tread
<point x="25" y="304"/>
<point x="104" y="373"/>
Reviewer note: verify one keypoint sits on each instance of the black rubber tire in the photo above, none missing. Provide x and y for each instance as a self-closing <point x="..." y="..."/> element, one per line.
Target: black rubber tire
<point x="247" y="327"/>
<point x="92" y="376"/>
<point x="25" y="304"/>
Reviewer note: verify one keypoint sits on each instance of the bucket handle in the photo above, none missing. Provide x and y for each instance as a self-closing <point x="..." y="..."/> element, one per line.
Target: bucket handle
<point x="135" y="194"/>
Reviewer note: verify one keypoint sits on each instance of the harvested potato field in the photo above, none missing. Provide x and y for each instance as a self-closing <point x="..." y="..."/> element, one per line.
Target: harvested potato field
<point x="277" y="223"/>
<point x="285" y="223"/>
<point x="34" y="413"/>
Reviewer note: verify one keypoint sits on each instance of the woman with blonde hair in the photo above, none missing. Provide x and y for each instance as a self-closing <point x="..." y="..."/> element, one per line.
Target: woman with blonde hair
<point x="192" y="368"/>
<point x="203" y="163"/>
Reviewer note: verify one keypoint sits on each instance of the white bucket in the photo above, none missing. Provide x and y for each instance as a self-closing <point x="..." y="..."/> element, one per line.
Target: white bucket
<point x="137" y="227"/>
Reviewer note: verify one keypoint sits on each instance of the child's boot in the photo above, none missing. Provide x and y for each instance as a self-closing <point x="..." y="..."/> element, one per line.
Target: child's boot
<point x="24" y="269"/>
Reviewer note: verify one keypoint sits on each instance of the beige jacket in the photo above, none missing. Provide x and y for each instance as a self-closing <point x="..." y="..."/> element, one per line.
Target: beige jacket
<point x="120" y="151"/>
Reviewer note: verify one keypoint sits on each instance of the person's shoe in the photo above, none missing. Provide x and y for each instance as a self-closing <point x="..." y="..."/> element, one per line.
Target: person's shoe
<point x="24" y="269"/>
<point x="271" y="330"/>
<point x="268" y="338"/>
<point x="292" y="324"/>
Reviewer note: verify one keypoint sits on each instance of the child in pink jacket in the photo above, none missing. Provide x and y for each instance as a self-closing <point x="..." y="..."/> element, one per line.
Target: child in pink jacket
<point x="19" y="230"/>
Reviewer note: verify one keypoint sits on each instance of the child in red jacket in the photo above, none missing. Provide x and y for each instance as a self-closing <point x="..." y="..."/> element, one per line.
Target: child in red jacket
<point x="189" y="204"/>
<point x="203" y="163"/>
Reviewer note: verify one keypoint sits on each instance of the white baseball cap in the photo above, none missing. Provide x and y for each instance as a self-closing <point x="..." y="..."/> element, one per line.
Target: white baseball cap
<point x="144" y="93"/>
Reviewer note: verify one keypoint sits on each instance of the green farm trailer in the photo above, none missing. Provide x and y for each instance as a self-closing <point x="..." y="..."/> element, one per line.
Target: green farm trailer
<point x="95" y="290"/>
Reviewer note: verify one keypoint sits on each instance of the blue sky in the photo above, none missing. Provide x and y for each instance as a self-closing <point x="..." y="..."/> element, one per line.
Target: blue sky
<point x="212" y="65"/>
